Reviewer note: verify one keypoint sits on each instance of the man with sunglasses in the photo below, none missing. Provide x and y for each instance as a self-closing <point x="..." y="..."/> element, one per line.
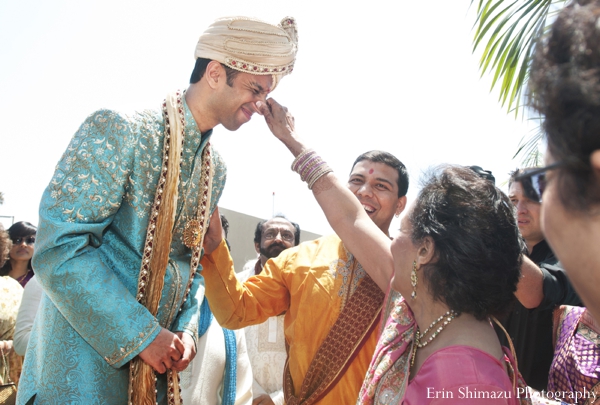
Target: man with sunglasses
<point x="543" y="286"/>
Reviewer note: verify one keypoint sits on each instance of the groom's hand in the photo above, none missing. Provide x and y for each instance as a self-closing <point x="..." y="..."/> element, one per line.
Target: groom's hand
<point x="188" y="354"/>
<point x="163" y="352"/>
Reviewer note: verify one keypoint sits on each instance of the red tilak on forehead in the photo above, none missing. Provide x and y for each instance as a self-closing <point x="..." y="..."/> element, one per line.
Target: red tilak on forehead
<point x="371" y="171"/>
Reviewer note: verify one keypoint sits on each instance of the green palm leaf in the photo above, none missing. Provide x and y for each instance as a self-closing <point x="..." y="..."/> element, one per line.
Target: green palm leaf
<point x="507" y="32"/>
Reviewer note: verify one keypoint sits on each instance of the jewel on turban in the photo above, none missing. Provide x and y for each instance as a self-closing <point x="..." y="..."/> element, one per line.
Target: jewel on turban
<point x="251" y="46"/>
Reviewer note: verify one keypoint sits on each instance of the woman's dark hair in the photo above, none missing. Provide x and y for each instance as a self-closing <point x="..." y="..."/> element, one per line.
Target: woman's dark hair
<point x="20" y="229"/>
<point x="564" y="87"/>
<point x="477" y="261"/>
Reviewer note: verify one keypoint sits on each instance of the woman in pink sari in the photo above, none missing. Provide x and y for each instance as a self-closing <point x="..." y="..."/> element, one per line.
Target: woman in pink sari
<point x="466" y="251"/>
<point x="455" y="263"/>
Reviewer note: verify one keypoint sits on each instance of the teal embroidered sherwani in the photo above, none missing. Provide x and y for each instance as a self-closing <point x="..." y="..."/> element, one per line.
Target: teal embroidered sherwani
<point x="93" y="221"/>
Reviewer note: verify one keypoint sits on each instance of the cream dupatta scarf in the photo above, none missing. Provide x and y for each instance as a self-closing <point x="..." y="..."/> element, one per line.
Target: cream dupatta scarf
<point x="159" y="235"/>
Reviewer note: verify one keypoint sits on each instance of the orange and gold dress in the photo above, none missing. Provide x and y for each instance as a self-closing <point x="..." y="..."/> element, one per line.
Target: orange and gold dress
<point x="311" y="284"/>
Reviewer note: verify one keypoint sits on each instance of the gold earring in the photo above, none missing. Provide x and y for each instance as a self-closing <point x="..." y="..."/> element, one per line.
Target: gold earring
<point x="413" y="280"/>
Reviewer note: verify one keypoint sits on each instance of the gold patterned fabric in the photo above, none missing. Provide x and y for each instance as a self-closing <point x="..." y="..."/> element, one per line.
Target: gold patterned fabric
<point x="251" y="46"/>
<point x="159" y="238"/>
<point x="356" y="320"/>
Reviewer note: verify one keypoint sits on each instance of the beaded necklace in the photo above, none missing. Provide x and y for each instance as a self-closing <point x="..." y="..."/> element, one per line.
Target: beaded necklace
<point x="450" y="315"/>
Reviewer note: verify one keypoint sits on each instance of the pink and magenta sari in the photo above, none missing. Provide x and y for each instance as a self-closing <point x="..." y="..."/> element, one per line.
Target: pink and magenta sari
<point x="575" y="369"/>
<point x="387" y="380"/>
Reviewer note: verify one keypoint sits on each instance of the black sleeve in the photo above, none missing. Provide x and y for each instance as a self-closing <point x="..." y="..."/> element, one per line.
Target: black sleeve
<point x="557" y="288"/>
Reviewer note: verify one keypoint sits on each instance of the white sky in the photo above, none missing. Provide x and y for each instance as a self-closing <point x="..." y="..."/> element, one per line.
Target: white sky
<point x="397" y="76"/>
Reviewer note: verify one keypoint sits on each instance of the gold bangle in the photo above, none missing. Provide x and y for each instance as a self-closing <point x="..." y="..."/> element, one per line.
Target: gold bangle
<point x="320" y="173"/>
<point x="306" y="172"/>
<point x="300" y="159"/>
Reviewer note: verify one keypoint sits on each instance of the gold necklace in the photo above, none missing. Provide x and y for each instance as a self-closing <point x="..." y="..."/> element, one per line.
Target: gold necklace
<point x="22" y="277"/>
<point x="195" y="228"/>
<point x="450" y="315"/>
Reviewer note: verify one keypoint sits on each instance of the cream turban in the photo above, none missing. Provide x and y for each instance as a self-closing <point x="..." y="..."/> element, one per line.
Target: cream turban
<point x="252" y="46"/>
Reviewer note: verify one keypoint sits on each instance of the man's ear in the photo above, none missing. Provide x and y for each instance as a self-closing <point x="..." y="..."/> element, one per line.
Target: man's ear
<point x="400" y="205"/>
<point x="215" y="74"/>
<point x="257" y="247"/>
<point x="426" y="252"/>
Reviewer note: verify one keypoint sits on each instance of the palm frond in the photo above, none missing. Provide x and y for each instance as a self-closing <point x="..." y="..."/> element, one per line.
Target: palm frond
<point x="528" y="149"/>
<point x="507" y="32"/>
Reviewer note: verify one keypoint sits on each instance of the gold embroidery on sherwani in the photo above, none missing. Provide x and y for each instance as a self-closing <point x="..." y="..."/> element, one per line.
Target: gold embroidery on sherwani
<point x="345" y="338"/>
<point x="105" y="197"/>
<point x="157" y="247"/>
<point x="174" y="292"/>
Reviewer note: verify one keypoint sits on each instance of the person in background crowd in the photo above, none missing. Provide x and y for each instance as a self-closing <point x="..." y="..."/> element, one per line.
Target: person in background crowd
<point x="543" y="287"/>
<point x="266" y="341"/>
<point x="268" y="243"/>
<point x="19" y="265"/>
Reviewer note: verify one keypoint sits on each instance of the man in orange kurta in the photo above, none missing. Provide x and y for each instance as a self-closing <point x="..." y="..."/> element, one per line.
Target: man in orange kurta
<point x="311" y="284"/>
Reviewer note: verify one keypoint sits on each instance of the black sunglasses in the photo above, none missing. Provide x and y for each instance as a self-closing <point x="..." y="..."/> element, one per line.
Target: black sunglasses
<point x="533" y="181"/>
<point x="29" y="240"/>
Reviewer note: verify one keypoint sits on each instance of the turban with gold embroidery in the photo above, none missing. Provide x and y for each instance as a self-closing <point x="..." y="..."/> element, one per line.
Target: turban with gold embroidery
<point x="252" y="46"/>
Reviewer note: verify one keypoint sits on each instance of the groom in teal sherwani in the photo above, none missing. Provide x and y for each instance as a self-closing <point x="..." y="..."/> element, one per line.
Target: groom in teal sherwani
<point x="122" y="223"/>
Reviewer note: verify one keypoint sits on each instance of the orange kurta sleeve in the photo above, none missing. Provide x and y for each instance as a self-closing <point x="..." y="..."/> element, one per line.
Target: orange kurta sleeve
<point x="309" y="282"/>
<point x="236" y="304"/>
